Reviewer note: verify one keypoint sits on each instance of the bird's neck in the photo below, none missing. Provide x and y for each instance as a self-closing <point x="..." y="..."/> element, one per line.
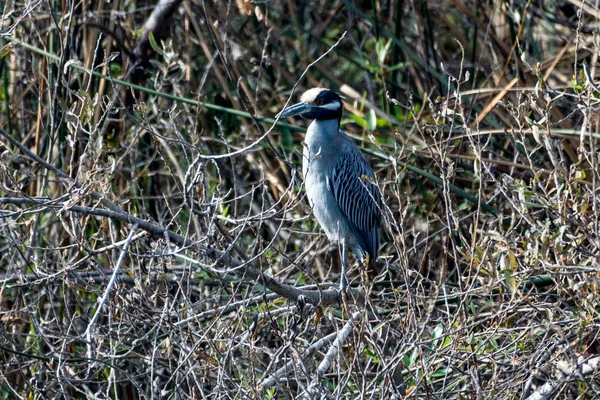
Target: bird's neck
<point x="323" y="133"/>
<point x="322" y="144"/>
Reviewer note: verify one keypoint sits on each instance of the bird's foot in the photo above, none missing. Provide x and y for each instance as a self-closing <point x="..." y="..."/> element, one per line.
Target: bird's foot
<point x="365" y="261"/>
<point x="343" y="292"/>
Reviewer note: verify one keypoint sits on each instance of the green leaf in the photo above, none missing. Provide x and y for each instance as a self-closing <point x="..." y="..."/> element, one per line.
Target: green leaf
<point x="437" y="331"/>
<point x="382" y="49"/>
<point x="382" y="122"/>
<point x="398" y="66"/>
<point x="509" y="280"/>
<point x="441" y="372"/>
<point x="359" y="120"/>
<point x="115" y="68"/>
<point x="6" y="50"/>
<point x="409" y="359"/>
<point x="580" y="174"/>
<point x="372" y="355"/>
<point x="371" y="120"/>
<point x="153" y="43"/>
<point x="224" y="210"/>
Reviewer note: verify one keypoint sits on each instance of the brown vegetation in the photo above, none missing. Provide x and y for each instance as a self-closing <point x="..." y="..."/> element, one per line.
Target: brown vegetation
<point x="155" y="240"/>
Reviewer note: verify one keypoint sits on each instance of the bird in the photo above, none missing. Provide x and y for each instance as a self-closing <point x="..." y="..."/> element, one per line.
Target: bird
<point x="339" y="181"/>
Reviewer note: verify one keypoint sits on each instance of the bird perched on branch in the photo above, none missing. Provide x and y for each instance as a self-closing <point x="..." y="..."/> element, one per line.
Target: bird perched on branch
<point x="338" y="179"/>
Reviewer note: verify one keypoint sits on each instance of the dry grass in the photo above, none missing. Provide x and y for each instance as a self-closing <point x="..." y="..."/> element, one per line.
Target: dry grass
<point x="131" y="248"/>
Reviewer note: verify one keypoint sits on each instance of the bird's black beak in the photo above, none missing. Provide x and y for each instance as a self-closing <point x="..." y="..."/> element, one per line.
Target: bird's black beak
<point x="296" y="109"/>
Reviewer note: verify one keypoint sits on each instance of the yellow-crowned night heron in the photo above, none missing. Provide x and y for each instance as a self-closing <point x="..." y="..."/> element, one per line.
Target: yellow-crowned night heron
<point x="338" y="179"/>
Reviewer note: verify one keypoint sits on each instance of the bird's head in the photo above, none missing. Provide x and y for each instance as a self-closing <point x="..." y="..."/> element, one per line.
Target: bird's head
<point x="317" y="103"/>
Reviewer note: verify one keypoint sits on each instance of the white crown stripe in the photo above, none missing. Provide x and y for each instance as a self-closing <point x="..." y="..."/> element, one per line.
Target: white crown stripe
<point x="310" y="95"/>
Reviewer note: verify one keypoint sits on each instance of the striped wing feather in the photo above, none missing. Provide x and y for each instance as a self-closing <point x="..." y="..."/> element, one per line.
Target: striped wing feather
<point x="358" y="198"/>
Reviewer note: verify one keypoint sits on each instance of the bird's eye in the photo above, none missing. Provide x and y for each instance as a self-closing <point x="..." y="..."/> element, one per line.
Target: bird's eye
<point x="319" y="102"/>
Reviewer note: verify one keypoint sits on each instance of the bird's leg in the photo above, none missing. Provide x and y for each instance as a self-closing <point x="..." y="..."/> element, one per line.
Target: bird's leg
<point x="343" y="290"/>
<point x="344" y="279"/>
<point x="364" y="263"/>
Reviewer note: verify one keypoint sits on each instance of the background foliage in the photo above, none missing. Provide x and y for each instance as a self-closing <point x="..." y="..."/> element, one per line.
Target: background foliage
<point x="480" y="120"/>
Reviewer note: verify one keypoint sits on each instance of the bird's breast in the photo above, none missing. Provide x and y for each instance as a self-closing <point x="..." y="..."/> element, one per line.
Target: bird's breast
<point x="322" y="201"/>
<point x="316" y="183"/>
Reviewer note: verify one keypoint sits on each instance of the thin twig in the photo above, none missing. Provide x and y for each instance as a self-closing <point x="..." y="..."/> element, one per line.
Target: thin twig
<point x="111" y="283"/>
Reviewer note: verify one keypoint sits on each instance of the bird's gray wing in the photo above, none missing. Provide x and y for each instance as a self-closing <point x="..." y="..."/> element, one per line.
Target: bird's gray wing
<point x="351" y="183"/>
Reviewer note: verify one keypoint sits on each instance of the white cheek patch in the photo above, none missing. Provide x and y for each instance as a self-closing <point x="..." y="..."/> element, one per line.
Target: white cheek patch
<point x="336" y="105"/>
